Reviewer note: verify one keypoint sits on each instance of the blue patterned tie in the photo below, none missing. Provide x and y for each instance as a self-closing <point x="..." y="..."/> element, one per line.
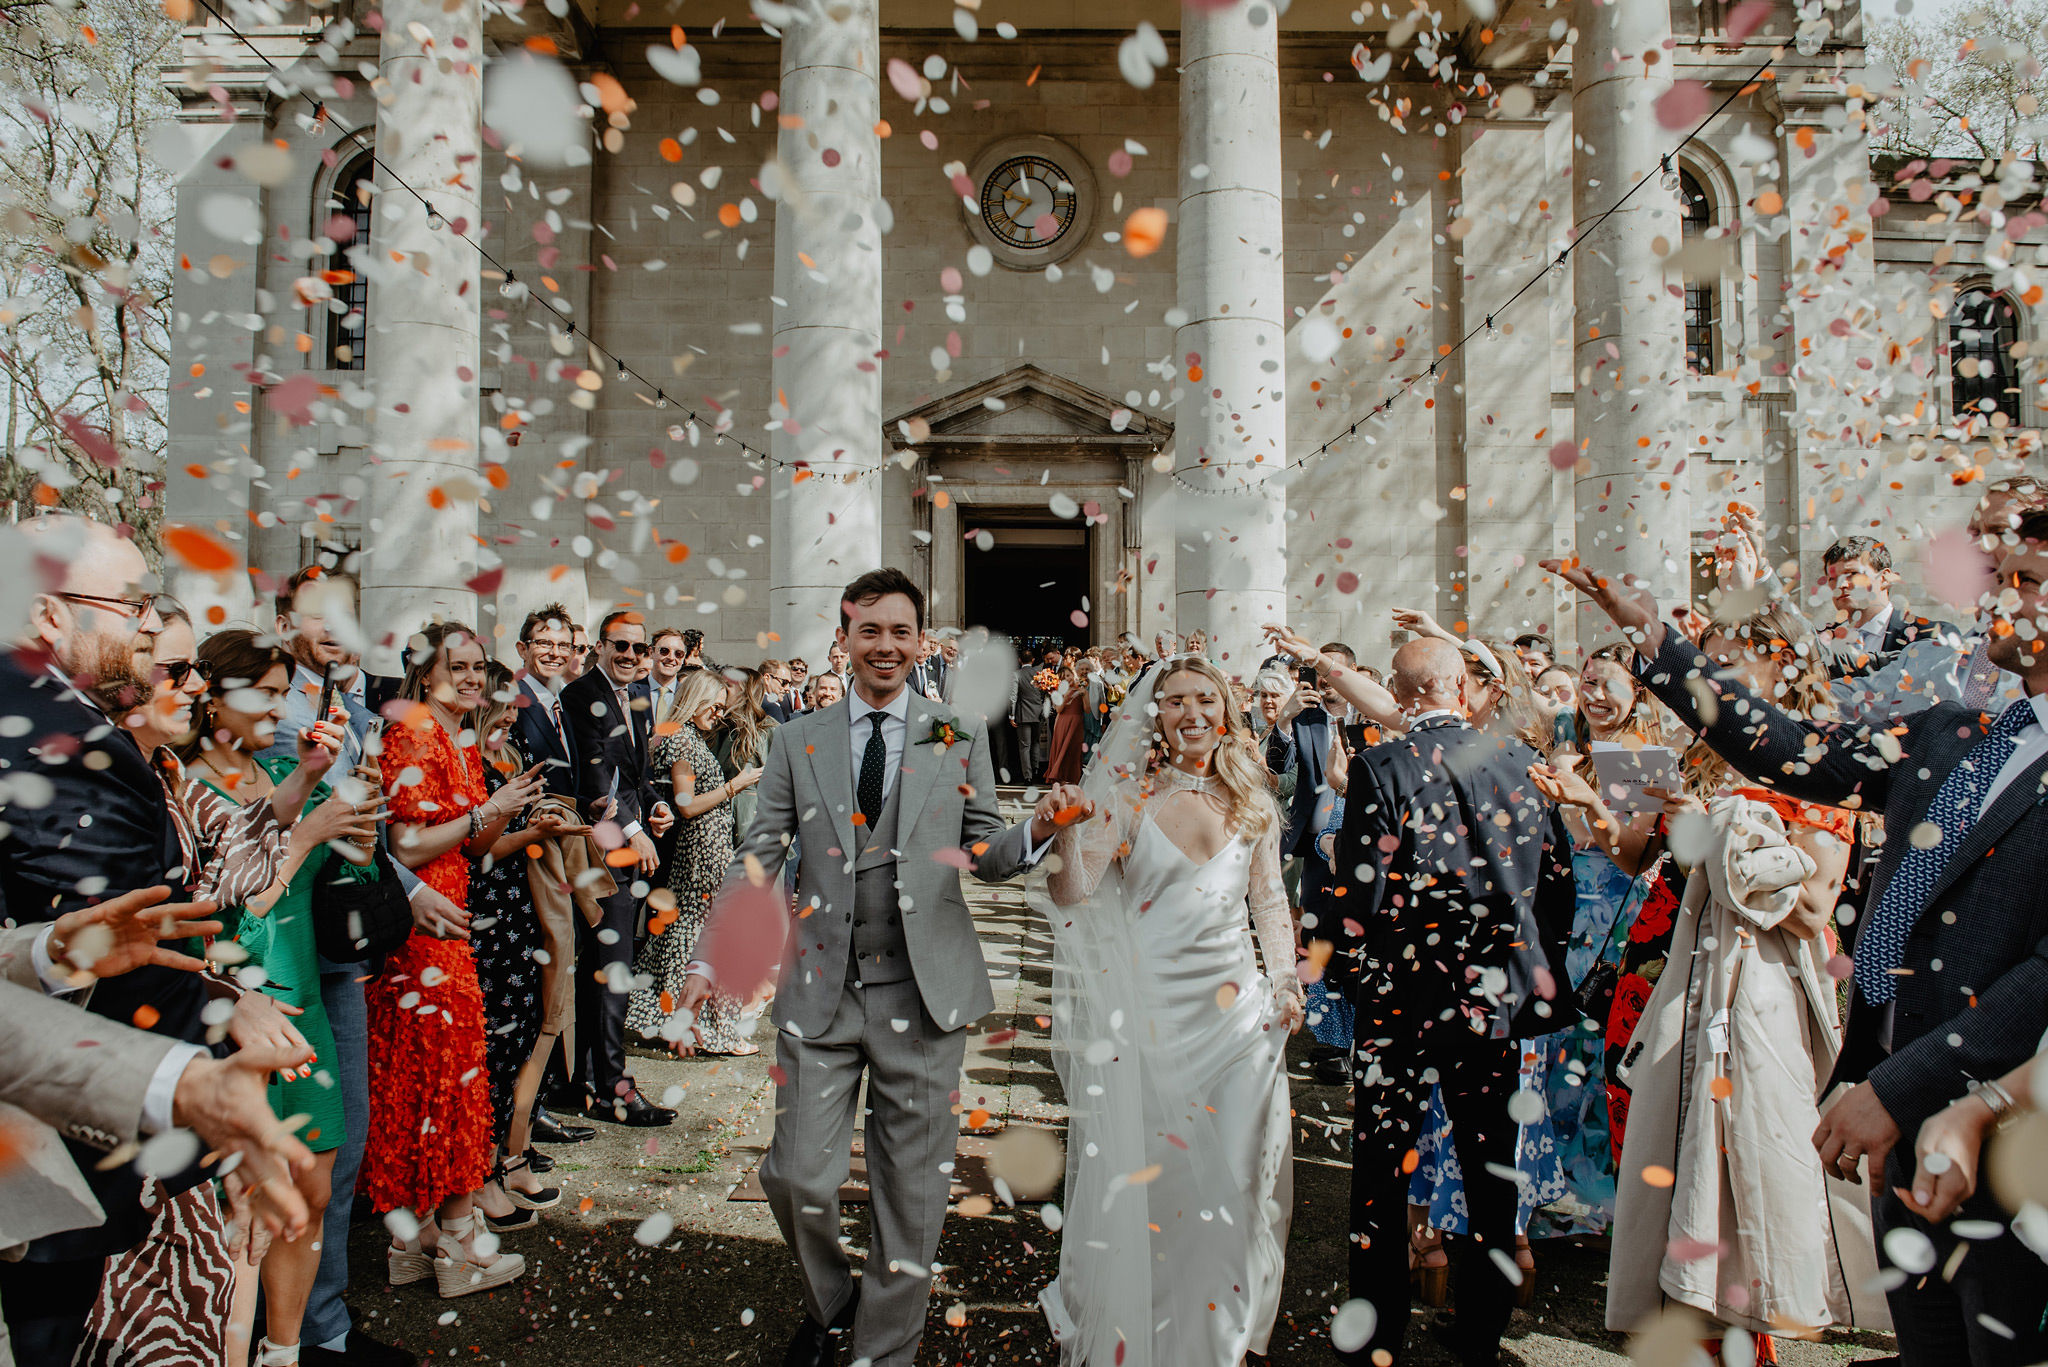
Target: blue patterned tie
<point x="1954" y="811"/>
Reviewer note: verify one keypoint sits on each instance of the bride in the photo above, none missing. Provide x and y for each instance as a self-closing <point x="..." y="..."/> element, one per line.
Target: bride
<point x="1170" y="1041"/>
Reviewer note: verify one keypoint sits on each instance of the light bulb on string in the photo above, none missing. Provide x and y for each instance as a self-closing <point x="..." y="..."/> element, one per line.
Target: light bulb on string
<point x="1670" y="181"/>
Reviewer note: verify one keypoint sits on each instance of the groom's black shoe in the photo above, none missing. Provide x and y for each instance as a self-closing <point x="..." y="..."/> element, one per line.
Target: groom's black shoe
<point x="817" y="1345"/>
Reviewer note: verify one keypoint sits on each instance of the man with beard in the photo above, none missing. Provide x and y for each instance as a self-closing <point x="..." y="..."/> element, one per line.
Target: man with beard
<point x="1951" y="956"/>
<point x="85" y="820"/>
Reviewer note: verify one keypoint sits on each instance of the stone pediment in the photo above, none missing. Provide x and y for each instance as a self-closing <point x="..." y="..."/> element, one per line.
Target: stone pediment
<point x="1027" y="408"/>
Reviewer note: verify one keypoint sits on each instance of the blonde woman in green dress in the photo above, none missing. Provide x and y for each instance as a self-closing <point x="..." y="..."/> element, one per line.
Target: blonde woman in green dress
<point x="243" y="705"/>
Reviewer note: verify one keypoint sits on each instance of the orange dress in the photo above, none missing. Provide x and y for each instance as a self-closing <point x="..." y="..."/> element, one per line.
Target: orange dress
<point x="430" y="1090"/>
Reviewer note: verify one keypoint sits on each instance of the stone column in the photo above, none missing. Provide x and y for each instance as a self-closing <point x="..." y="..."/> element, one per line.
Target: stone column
<point x="421" y="515"/>
<point x="1230" y="563"/>
<point x="825" y="528"/>
<point x="1628" y="329"/>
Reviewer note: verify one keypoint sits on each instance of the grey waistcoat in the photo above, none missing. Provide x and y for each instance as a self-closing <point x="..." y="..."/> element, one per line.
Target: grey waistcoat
<point x="879" y="952"/>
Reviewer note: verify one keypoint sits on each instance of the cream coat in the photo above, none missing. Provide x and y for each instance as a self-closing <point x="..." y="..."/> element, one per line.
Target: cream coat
<point x="1734" y="1046"/>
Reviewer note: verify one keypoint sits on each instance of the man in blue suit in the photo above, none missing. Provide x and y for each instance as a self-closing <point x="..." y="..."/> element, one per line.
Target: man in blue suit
<point x="545" y="647"/>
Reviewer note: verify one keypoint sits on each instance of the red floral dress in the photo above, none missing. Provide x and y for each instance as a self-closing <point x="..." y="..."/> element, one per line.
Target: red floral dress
<point x="430" y="1091"/>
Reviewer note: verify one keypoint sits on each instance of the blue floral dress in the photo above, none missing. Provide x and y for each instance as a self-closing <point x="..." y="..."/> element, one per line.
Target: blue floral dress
<point x="1564" y="1161"/>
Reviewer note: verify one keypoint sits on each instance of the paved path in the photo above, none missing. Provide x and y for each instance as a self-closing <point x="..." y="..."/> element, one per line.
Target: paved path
<point x="649" y="1262"/>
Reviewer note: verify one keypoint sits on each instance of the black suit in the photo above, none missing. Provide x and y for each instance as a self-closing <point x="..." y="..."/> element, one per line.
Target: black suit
<point x="1323" y="914"/>
<point x="104" y="826"/>
<point x="1033" y="713"/>
<point x="611" y="753"/>
<point x="1972" y="1001"/>
<point x="1460" y="874"/>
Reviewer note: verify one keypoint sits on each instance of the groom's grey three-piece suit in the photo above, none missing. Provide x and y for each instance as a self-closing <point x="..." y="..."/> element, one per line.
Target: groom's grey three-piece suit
<point x="881" y="973"/>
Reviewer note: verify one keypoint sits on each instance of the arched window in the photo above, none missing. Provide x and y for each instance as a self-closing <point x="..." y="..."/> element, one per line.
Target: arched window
<point x="347" y="315"/>
<point x="1981" y="331"/>
<point x="1702" y="333"/>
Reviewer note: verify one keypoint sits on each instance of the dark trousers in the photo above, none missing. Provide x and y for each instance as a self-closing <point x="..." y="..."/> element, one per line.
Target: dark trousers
<point x="1318" y="899"/>
<point x="1033" y="738"/>
<point x="1002" y="751"/>
<point x="1477" y="1076"/>
<point x="601" y="993"/>
<point x="1941" y="1320"/>
<point x="46" y="1305"/>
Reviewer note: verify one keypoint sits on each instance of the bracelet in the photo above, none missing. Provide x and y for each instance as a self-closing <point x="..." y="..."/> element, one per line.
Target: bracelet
<point x="476" y="823"/>
<point x="2000" y="1102"/>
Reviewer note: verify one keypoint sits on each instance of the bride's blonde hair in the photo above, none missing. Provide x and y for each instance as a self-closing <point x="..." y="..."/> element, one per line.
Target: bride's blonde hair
<point x="1235" y="764"/>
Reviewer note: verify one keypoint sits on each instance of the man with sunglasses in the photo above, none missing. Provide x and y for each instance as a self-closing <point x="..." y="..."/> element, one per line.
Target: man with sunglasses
<point x="579" y="653"/>
<point x="671" y="654"/>
<point x="610" y="723"/>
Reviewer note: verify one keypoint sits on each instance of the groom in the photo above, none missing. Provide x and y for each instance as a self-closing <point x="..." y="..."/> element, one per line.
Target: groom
<point x="880" y="971"/>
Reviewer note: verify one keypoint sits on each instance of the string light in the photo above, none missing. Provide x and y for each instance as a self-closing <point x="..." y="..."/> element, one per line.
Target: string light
<point x="1382" y="408"/>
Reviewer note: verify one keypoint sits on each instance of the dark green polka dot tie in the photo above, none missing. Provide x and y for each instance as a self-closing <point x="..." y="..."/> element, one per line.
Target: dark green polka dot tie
<point x="872" y="761"/>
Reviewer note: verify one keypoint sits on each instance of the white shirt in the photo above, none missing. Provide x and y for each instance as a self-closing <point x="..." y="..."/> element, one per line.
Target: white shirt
<point x="895" y="728"/>
<point x="1872" y="631"/>
<point x="2030" y="745"/>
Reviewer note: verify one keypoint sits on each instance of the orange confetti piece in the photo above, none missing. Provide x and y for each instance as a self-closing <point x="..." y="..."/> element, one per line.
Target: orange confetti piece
<point x="1144" y="230"/>
<point x="620" y="857"/>
<point x="976" y="1119"/>
<point x="1656" y="1176"/>
<point x="671" y="150"/>
<point x="729" y="215"/>
<point x="198" y="550"/>
<point x="146" y="1017"/>
<point x="544" y="45"/>
<point x="1770" y="202"/>
<point x="583" y="1206"/>
<point x="678" y="553"/>
<point x="1722" y="1088"/>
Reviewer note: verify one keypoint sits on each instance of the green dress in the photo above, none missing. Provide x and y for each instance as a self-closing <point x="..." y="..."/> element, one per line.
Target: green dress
<point x="282" y="942"/>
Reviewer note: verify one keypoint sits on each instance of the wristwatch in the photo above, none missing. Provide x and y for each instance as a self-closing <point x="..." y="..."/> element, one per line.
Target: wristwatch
<point x="1998" y="1100"/>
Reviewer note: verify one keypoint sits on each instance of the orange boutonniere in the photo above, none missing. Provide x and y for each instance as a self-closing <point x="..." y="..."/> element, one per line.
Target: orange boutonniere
<point x="945" y="731"/>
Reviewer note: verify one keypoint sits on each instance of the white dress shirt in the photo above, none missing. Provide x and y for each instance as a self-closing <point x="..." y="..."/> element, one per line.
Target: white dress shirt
<point x="157" y="1098"/>
<point x="2028" y="746"/>
<point x="1872" y="631"/>
<point x="895" y="728"/>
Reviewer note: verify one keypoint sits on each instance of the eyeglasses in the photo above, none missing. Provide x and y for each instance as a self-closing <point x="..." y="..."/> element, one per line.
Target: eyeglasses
<point x="550" y="647"/>
<point x="628" y="647"/>
<point x="139" y="607"/>
<point x="177" y="671"/>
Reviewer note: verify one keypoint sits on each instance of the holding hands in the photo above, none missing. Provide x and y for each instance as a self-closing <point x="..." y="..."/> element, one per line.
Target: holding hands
<point x="1062" y="806"/>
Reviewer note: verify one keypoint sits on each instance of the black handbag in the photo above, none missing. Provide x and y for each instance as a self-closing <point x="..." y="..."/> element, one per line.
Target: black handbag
<point x="357" y="918"/>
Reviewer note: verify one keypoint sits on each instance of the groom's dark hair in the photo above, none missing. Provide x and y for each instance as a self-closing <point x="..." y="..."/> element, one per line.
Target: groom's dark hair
<point x="876" y="585"/>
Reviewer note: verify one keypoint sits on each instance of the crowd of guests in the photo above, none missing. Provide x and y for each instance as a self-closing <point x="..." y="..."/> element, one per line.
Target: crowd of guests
<point x="1723" y="939"/>
<point x="1776" y="980"/>
<point x="420" y="918"/>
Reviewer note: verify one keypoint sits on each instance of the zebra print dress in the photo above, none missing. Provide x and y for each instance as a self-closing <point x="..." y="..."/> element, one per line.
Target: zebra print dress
<point x="165" y="1301"/>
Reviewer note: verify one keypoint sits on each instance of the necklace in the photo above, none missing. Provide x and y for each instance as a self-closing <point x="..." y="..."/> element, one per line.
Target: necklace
<point x="1170" y="776"/>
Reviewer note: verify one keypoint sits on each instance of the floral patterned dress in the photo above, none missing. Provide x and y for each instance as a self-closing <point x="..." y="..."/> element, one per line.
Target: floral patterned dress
<point x="503" y="937"/>
<point x="430" y="1090"/>
<point x="703" y="850"/>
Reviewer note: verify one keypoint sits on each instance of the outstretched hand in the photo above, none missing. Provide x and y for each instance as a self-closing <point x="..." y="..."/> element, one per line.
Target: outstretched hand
<point x="124" y="933"/>
<point x="1062" y="805"/>
<point x="1626" y="602"/>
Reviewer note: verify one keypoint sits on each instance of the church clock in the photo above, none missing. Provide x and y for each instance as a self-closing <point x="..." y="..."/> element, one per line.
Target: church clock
<point x="1034" y="201"/>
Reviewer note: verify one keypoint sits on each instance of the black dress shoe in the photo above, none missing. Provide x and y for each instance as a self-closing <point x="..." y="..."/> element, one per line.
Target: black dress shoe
<point x="362" y="1351"/>
<point x="549" y="1130"/>
<point x="817" y="1345"/>
<point x="634" y="1109"/>
<point x="567" y="1100"/>
<point x="537" y="1160"/>
<point x="1335" y="1072"/>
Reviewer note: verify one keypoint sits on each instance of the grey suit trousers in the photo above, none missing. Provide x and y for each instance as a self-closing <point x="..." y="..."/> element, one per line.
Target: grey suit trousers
<point x="912" y="1070"/>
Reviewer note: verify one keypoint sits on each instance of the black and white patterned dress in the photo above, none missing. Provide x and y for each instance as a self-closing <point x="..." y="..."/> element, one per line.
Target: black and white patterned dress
<point x="503" y="937"/>
<point x="703" y="850"/>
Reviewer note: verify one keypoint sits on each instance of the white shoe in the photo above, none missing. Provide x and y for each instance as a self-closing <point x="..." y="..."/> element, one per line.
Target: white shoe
<point x="457" y="1273"/>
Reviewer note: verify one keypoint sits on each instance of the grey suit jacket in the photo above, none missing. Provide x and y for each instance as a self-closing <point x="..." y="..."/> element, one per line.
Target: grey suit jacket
<point x="947" y="811"/>
<point x="62" y="1071"/>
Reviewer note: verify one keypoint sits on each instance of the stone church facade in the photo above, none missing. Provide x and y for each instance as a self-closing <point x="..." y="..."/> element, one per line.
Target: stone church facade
<point x="960" y="365"/>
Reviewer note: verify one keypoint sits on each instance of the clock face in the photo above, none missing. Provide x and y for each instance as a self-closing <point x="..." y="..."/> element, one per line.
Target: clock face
<point x="1028" y="202"/>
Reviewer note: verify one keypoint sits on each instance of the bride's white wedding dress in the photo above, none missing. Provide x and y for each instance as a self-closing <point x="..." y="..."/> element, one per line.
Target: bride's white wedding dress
<point x="1170" y="1042"/>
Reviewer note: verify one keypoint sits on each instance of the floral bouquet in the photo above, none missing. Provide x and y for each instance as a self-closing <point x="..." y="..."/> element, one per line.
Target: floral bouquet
<point x="1045" y="680"/>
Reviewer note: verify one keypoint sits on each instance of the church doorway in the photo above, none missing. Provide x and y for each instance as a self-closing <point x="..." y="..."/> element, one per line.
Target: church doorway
<point x="1031" y="580"/>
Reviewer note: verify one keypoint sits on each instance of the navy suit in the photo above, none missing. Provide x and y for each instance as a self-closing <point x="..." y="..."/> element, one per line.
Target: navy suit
<point x="611" y="767"/>
<point x="1303" y="750"/>
<point x="539" y="739"/>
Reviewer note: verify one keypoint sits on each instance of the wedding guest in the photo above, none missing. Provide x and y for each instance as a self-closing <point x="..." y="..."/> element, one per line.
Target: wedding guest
<point x="671" y="653"/>
<point x="269" y="914"/>
<point x="825" y="691"/>
<point x="799" y="676"/>
<point x="1068" y="752"/>
<point x="1610" y="855"/>
<point x="1555" y="692"/>
<point x="928" y="674"/>
<point x="1462" y="851"/>
<point x="837" y="665"/>
<point x="1743" y="1006"/>
<point x="1095" y="708"/>
<point x="1535" y="652"/>
<point x="1873" y="629"/>
<point x="1030" y="714"/>
<point x="316" y="619"/>
<point x="99" y="820"/>
<point x="579" y="653"/>
<point x="1504" y="697"/>
<point x="949" y="662"/>
<point x="545" y="650"/>
<point x="611" y="729"/>
<point x="771" y="684"/>
<point x="430" y="1093"/>
<point x="1948" y="982"/>
<point x="704" y="803"/>
<point x="505" y="934"/>
<point x="743" y="742"/>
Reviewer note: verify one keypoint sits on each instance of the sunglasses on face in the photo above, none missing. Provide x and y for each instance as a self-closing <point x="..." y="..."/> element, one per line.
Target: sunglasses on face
<point x="628" y="647"/>
<point x="177" y="671"/>
<point x="667" y="652"/>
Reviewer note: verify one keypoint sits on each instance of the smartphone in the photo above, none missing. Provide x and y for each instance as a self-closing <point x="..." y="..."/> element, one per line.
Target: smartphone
<point x="1305" y="673"/>
<point x="329" y="686"/>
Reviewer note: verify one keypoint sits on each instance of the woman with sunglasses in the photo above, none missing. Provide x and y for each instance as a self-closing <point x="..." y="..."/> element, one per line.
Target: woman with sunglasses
<point x="704" y="842"/>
